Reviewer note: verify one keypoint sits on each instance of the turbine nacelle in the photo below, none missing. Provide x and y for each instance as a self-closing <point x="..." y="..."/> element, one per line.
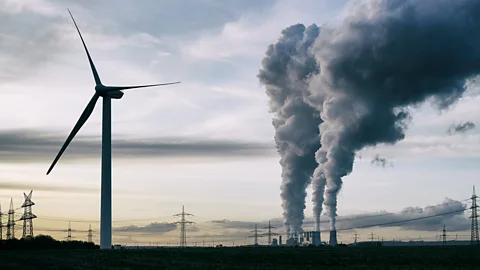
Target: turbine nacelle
<point x="108" y="91"/>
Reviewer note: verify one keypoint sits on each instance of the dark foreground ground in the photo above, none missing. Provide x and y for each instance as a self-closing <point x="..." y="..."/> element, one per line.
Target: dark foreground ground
<point x="461" y="257"/>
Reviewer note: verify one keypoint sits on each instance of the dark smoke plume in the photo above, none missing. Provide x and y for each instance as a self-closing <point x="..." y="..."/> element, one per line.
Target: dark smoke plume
<point x="460" y="128"/>
<point x="284" y="72"/>
<point x="384" y="58"/>
<point x="381" y="161"/>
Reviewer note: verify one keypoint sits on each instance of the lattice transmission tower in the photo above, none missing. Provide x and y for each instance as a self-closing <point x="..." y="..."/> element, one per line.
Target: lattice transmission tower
<point x="90" y="234"/>
<point x="27" y="216"/>
<point x="69" y="232"/>
<point x="269" y="234"/>
<point x="474" y="233"/>
<point x="11" y="222"/>
<point x="255" y="235"/>
<point x="183" y="222"/>
<point x="444" y="235"/>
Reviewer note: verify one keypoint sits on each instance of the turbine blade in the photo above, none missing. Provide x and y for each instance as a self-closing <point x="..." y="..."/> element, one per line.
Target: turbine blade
<point x="83" y="118"/>
<point x="115" y="88"/>
<point x="92" y="66"/>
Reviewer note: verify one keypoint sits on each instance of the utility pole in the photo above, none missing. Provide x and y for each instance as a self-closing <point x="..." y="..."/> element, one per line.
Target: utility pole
<point x="371" y="236"/>
<point x="90" y="235"/>
<point x="355" y="237"/>
<point x="27" y="216"/>
<point x="11" y="222"/>
<point x="183" y="222"/>
<point x="474" y="233"/>
<point x="270" y="233"/>
<point x="444" y="235"/>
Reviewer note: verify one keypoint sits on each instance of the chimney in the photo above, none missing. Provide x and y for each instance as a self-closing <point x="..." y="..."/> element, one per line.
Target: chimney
<point x="316" y="238"/>
<point x="333" y="238"/>
<point x="280" y="240"/>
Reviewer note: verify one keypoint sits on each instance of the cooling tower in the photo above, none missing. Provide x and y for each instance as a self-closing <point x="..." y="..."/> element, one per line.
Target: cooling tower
<point x="333" y="238"/>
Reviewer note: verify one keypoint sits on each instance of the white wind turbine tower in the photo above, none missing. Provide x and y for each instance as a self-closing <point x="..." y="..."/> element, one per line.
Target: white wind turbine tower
<point x="107" y="93"/>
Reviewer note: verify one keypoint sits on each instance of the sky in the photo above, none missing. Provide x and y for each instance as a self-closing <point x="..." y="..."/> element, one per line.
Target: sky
<point x="206" y="143"/>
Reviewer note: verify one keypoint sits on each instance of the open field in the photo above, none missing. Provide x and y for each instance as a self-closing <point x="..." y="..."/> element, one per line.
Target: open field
<point x="453" y="257"/>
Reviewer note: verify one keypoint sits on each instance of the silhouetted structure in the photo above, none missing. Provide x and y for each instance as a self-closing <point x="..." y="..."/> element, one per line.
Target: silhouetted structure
<point x="69" y="232"/>
<point x="444" y="235"/>
<point x="474" y="233"/>
<point x="27" y="216"/>
<point x="255" y="236"/>
<point x="270" y="233"/>
<point x="90" y="235"/>
<point x="183" y="222"/>
<point x="11" y="222"/>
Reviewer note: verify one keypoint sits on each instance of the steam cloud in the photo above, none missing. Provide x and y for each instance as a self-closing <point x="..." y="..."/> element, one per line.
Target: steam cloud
<point x="284" y="72"/>
<point x="460" y="128"/>
<point x="383" y="59"/>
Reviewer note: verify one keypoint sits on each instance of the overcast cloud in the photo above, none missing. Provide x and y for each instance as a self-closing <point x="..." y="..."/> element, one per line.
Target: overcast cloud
<point x="450" y="212"/>
<point x="31" y="145"/>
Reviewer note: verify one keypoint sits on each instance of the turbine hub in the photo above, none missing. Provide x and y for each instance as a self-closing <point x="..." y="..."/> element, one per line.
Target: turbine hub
<point x="106" y="91"/>
<point x="100" y="88"/>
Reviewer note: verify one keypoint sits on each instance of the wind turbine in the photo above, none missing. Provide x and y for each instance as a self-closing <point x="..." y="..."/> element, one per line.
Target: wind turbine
<point x="107" y="93"/>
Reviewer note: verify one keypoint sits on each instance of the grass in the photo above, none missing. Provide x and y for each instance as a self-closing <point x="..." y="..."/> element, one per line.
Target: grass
<point x="449" y="257"/>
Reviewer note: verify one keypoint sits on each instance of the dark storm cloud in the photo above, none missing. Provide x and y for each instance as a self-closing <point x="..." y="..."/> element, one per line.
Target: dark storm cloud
<point x="382" y="59"/>
<point x="381" y="161"/>
<point x="30" y="145"/>
<point x="460" y="128"/>
<point x="154" y="227"/>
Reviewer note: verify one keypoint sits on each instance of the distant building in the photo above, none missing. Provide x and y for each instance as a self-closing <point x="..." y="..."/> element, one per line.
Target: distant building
<point x="274" y="242"/>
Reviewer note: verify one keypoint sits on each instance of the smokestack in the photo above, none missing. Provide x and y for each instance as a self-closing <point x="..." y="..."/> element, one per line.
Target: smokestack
<point x="333" y="238"/>
<point x="316" y="238"/>
<point x="280" y="240"/>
